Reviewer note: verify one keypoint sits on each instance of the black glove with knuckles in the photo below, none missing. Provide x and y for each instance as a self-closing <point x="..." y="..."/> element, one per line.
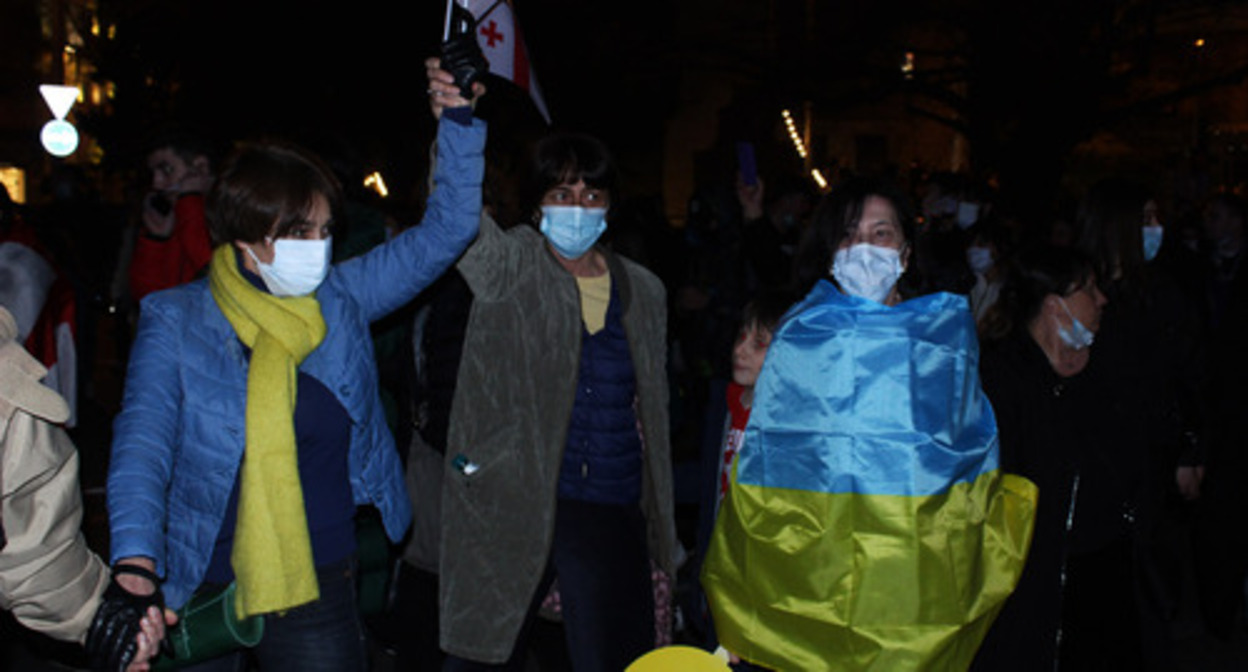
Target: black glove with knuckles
<point x="112" y="638"/>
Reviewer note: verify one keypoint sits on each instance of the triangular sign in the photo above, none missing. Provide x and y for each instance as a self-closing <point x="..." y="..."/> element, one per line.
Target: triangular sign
<point x="59" y="98"/>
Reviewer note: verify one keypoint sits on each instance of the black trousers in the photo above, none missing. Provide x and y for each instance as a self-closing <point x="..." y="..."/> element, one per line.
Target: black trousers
<point x="600" y="558"/>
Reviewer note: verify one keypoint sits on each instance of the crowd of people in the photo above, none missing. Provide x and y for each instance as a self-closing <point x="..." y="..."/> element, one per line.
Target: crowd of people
<point x="820" y="431"/>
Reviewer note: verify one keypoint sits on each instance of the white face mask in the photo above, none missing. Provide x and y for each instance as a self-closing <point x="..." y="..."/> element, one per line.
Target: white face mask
<point x="867" y="271"/>
<point x="298" y="268"/>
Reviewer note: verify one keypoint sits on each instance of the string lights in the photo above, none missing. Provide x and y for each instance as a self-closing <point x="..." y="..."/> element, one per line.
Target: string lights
<point x="792" y="127"/>
<point x="819" y="179"/>
<point x="375" y="182"/>
<point x="801" y="148"/>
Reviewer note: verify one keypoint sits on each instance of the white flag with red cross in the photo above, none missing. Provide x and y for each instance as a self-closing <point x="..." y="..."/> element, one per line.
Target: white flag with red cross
<point x="501" y="41"/>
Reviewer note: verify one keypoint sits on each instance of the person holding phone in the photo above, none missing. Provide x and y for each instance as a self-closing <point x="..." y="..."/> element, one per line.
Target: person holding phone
<point x="773" y="216"/>
<point x="173" y="245"/>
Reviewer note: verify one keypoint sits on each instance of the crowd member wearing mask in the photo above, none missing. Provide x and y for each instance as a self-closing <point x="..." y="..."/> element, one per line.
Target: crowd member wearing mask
<point x="558" y="457"/>
<point x="772" y="229"/>
<point x="251" y="427"/>
<point x="986" y="256"/>
<point x="868" y="439"/>
<point x="1069" y="425"/>
<point x="1149" y="343"/>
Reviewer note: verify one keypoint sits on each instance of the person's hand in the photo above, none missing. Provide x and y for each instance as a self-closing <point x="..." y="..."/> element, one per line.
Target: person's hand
<point x="443" y="92"/>
<point x="133" y="583"/>
<point x="155" y="223"/>
<point x="1189" y="479"/>
<point x="197" y="180"/>
<point x="128" y="626"/>
<point x="750" y="196"/>
<point x="726" y="655"/>
<point x="152" y="633"/>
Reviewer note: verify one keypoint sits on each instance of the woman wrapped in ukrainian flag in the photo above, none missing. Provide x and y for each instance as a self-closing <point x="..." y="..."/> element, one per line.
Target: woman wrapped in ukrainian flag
<point x="868" y="526"/>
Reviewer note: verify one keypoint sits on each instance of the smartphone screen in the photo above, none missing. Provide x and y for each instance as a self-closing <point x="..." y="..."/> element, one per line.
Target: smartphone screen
<point x="745" y="163"/>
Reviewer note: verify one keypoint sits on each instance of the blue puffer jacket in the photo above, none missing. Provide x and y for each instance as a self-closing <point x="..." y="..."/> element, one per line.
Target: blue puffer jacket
<point x="178" y="442"/>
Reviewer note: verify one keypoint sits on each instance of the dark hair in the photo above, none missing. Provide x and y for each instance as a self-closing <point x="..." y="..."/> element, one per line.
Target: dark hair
<point x="993" y="230"/>
<point x="1109" y="221"/>
<point x="187" y="142"/>
<point x="267" y="187"/>
<point x="1034" y="274"/>
<point x="1233" y="204"/>
<point x="766" y="309"/>
<point x="790" y="184"/>
<point x="837" y="213"/>
<point x="564" y="158"/>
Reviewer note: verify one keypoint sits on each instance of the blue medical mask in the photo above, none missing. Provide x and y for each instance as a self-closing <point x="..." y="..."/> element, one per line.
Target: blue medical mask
<point x="298" y="267"/>
<point x="867" y="271"/>
<point x="1152" y="241"/>
<point x="968" y="214"/>
<point x="571" y="230"/>
<point x="1076" y="336"/>
<point x="979" y="259"/>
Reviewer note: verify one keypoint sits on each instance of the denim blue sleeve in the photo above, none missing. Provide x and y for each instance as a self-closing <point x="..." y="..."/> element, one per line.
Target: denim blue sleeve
<point x="392" y="274"/>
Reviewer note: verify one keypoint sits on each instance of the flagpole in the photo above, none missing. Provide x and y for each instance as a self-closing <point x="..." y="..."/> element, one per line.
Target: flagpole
<point x="446" y="21"/>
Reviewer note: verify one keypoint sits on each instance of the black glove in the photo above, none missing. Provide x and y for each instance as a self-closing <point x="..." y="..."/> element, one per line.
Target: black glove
<point x="111" y="643"/>
<point x="461" y="53"/>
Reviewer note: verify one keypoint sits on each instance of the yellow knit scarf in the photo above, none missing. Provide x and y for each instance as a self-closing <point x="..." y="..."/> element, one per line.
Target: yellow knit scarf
<point x="272" y="555"/>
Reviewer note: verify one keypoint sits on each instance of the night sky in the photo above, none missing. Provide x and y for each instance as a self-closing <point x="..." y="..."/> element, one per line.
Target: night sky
<point x="249" y="68"/>
<point x="1024" y="84"/>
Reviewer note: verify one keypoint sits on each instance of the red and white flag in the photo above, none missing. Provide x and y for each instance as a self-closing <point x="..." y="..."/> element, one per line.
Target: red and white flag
<point x="503" y="45"/>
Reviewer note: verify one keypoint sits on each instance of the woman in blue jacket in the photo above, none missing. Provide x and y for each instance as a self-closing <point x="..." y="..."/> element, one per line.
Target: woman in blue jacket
<point x="251" y="426"/>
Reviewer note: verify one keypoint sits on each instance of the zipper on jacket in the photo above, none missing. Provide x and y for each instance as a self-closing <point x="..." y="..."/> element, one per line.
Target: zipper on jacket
<point x="1070" y="524"/>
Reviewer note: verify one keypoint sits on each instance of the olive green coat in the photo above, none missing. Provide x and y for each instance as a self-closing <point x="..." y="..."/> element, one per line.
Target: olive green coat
<point x="516" y="387"/>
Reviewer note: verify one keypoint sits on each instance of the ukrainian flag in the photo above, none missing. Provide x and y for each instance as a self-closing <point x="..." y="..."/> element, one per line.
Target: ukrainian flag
<point x="868" y="526"/>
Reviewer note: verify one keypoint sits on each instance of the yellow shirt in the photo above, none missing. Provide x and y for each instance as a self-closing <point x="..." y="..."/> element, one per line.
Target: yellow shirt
<point x="595" y="295"/>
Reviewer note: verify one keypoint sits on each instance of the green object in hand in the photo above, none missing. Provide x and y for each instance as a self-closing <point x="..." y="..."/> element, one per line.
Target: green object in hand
<point x="208" y="627"/>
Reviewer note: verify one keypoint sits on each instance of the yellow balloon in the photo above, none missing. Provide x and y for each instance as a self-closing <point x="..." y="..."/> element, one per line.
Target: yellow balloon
<point x="678" y="659"/>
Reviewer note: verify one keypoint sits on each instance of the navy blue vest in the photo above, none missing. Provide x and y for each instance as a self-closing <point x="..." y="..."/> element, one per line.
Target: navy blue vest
<point x="602" y="460"/>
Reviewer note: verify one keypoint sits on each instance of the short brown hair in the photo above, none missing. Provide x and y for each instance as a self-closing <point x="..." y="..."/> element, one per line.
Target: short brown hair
<point x="267" y="187"/>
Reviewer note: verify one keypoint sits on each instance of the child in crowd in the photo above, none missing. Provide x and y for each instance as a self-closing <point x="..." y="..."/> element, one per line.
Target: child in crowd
<point x="725" y="426"/>
<point x="758" y="322"/>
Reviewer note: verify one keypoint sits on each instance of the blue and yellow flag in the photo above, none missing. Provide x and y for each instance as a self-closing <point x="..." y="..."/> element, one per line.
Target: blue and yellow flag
<point x="868" y="526"/>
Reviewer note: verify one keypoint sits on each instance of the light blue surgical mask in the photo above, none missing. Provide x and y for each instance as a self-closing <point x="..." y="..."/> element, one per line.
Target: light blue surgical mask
<point x="867" y="271"/>
<point x="572" y="230"/>
<point x="968" y="214"/>
<point x="1152" y="241"/>
<point x="1076" y="336"/>
<point x="979" y="258"/>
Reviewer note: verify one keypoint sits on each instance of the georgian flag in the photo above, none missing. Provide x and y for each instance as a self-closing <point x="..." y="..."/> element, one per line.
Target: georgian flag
<point x="503" y="45"/>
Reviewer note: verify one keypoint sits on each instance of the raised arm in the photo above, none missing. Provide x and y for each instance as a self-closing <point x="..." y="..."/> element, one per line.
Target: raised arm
<point x="392" y="274"/>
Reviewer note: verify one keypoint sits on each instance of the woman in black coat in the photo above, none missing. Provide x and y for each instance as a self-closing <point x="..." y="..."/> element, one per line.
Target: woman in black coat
<point x="1066" y="425"/>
